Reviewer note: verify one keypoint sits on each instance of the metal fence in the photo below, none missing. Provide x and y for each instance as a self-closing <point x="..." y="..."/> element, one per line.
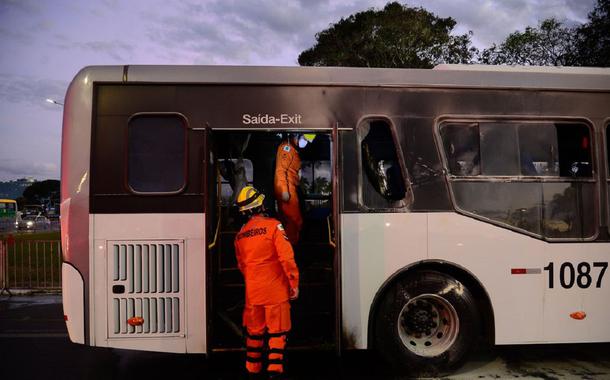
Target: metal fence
<point x="30" y="264"/>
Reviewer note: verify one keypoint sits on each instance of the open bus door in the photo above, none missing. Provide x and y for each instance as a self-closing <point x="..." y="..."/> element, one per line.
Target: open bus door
<point x="316" y="314"/>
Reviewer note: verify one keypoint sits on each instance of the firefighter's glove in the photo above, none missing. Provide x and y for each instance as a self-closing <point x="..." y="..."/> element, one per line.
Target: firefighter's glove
<point x="294" y="293"/>
<point x="285" y="196"/>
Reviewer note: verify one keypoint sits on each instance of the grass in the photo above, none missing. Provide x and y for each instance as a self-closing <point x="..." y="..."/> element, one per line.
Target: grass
<point x="31" y="235"/>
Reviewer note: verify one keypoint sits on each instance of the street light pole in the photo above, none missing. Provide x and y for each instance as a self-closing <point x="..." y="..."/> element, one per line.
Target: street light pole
<point x="54" y="102"/>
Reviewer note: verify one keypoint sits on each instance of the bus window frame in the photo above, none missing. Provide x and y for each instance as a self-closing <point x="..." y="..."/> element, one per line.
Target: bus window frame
<point x="409" y="198"/>
<point x="478" y="119"/>
<point x="186" y="129"/>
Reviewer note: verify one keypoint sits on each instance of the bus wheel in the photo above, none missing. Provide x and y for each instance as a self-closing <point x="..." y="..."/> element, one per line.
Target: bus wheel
<point x="426" y="323"/>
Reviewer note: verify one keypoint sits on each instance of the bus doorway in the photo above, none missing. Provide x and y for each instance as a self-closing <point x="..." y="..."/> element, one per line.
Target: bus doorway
<point x="240" y="158"/>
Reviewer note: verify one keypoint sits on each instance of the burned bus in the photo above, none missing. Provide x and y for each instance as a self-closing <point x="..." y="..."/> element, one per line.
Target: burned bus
<point x="442" y="208"/>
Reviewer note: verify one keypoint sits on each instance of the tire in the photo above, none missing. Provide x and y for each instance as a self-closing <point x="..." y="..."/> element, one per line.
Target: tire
<point x="426" y="324"/>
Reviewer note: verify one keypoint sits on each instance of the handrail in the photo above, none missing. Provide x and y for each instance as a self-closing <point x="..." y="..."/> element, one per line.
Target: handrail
<point x="330" y="238"/>
<point x="218" y="209"/>
<point x="213" y="243"/>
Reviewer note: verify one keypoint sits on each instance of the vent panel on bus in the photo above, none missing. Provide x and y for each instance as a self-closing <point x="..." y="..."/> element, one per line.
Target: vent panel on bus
<point x="145" y="284"/>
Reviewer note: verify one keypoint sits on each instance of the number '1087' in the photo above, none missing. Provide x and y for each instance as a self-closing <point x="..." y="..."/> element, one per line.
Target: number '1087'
<point x="583" y="275"/>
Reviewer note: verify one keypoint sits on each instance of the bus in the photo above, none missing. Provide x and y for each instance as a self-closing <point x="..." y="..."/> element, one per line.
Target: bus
<point x="8" y="213"/>
<point x="444" y="209"/>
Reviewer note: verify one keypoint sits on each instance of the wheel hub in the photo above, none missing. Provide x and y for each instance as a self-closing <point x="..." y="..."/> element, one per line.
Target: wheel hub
<point x="428" y="325"/>
<point x="420" y="318"/>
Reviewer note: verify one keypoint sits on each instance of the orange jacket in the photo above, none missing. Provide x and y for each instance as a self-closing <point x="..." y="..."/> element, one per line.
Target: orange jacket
<point x="266" y="259"/>
<point x="287" y="166"/>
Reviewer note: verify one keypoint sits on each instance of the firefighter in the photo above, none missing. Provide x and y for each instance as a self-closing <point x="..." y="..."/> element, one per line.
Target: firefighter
<point x="287" y="176"/>
<point x="265" y="258"/>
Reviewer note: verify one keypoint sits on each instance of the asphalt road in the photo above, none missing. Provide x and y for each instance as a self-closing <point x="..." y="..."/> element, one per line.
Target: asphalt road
<point x="34" y="345"/>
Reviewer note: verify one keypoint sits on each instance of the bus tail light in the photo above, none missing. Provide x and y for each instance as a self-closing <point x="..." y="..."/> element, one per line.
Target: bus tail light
<point x="135" y="321"/>
<point x="578" y="315"/>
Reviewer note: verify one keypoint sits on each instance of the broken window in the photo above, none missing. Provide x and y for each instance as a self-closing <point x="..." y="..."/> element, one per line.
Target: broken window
<point x="383" y="184"/>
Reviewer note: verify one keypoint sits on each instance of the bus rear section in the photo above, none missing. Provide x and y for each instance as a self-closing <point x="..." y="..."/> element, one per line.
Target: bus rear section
<point x="148" y="217"/>
<point x="133" y="221"/>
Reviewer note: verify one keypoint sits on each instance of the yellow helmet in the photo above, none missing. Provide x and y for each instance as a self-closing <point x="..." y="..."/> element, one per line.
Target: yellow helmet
<point x="309" y="137"/>
<point x="249" y="198"/>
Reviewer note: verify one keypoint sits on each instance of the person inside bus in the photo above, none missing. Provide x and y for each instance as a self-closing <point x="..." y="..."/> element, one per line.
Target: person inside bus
<point x="286" y="183"/>
<point x="266" y="260"/>
<point x="233" y="168"/>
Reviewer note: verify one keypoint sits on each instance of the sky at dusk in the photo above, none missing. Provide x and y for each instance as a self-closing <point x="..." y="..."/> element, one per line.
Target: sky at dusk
<point x="45" y="43"/>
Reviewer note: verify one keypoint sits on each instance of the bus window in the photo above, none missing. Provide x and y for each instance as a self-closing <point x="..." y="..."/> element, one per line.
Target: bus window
<point x="156" y="149"/>
<point x="462" y="147"/>
<point x="557" y="203"/>
<point x="8" y="213"/>
<point x="568" y="206"/>
<point x="499" y="152"/>
<point x="568" y="209"/>
<point x="383" y="185"/>
<point x="538" y="151"/>
<point x="515" y="204"/>
<point x="574" y="150"/>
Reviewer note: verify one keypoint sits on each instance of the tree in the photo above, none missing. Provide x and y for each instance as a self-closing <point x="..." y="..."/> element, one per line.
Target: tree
<point x="42" y="191"/>
<point x="594" y="37"/>
<point x="396" y="36"/>
<point x="551" y="44"/>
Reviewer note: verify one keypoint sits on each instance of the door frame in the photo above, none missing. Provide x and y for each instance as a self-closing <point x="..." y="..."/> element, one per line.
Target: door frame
<point x="334" y="226"/>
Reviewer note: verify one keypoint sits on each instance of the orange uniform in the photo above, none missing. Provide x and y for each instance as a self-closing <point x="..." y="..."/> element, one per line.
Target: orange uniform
<point x="287" y="167"/>
<point x="266" y="259"/>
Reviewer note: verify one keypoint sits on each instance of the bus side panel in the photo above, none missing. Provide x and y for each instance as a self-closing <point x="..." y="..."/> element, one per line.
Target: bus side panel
<point x="170" y="296"/>
<point x="374" y="246"/>
<point x="526" y="309"/>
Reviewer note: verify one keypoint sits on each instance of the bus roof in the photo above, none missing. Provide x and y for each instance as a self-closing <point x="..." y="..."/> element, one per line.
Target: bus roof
<point x="526" y="69"/>
<point x="443" y="76"/>
<point x="8" y="201"/>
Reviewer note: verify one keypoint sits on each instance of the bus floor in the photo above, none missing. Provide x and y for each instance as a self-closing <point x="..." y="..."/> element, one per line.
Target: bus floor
<point x="312" y="313"/>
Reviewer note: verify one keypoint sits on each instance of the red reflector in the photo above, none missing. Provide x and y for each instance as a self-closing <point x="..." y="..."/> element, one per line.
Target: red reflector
<point x="65" y="317"/>
<point x="518" y="271"/>
<point x="135" y="321"/>
<point x="578" y="315"/>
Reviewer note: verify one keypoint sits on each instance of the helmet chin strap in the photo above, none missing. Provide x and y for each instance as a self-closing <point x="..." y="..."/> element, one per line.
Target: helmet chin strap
<point x="260" y="210"/>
